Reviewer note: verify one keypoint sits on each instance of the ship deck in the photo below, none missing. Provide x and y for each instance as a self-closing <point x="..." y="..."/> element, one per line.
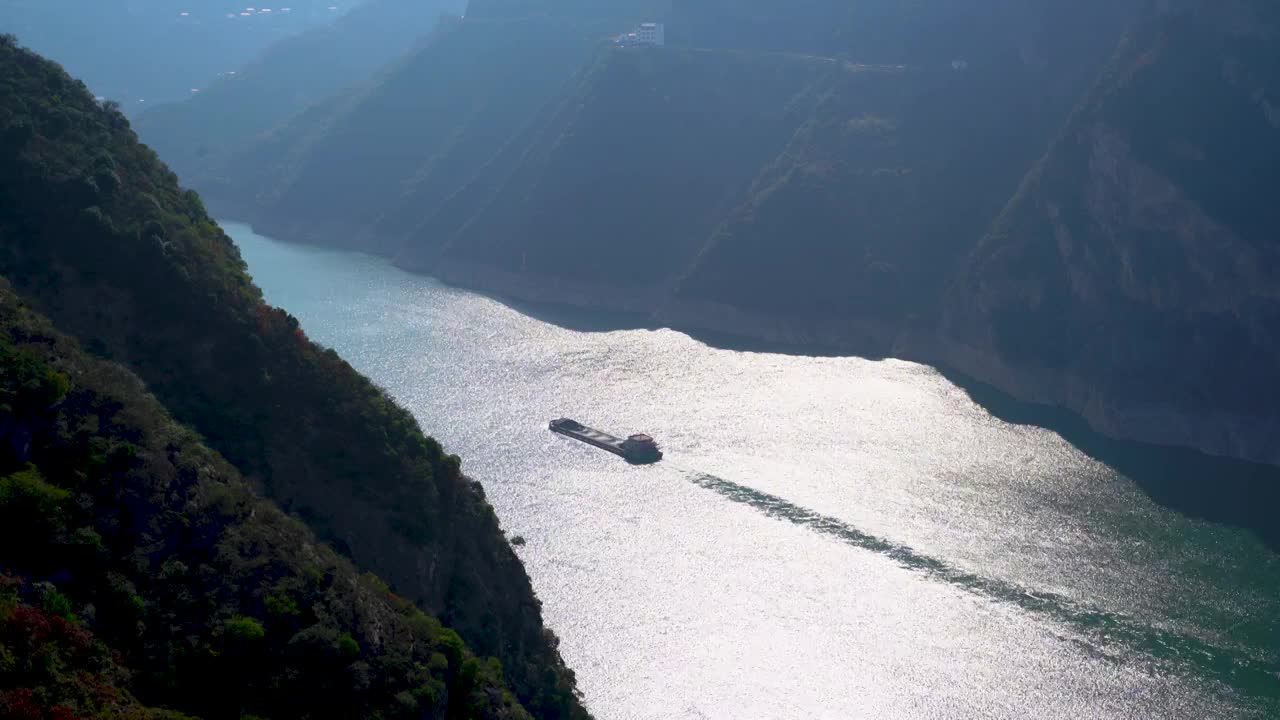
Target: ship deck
<point x="605" y="441"/>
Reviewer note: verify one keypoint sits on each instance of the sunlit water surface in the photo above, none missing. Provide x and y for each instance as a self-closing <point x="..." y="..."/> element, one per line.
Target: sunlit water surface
<point x="826" y="538"/>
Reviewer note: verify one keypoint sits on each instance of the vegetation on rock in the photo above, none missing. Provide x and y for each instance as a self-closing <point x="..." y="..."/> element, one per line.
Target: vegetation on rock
<point x="141" y="565"/>
<point x="97" y="234"/>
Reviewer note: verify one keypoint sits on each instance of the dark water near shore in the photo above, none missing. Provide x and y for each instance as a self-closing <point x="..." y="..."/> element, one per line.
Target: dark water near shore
<point x="828" y="537"/>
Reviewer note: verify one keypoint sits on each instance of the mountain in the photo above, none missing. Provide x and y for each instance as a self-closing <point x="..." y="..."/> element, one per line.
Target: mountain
<point x="412" y="135"/>
<point x="806" y="199"/>
<point x="141" y="52"/>
<point x="96" y="234"/>
<point x="894" y="177"/>
<point x="141" y="568"/>
<point x="285" y="79"/>
<point x="876" y="177"/>
<point x="428" y="141"/>
<point x="1133" y="276"/>
<point x="619" y="183"/>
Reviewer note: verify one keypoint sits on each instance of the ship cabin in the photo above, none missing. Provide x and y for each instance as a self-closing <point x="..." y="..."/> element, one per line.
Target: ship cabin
<point x="641" y="448"/>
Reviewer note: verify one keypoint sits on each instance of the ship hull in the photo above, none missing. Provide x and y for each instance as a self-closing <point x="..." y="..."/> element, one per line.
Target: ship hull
<point x="608" y="443"/>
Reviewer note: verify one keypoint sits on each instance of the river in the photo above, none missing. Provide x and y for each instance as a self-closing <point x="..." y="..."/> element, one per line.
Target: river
<point x="826" y="538"/>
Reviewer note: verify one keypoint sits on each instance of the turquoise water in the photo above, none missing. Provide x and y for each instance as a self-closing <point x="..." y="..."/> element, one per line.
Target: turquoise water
<point x="826" y="538"/>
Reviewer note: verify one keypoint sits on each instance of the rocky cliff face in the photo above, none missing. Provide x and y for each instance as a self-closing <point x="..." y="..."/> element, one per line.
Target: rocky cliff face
<point x="862" y="220"/>
<point x="1134" y="276"/>
<point x="799" y="188"/>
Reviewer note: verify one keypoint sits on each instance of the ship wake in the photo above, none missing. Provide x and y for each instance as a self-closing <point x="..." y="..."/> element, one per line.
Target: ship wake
<point x="1113" y="636"/>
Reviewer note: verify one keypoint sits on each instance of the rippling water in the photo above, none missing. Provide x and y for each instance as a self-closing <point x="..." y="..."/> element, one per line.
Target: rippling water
<point x="826" y="538"/>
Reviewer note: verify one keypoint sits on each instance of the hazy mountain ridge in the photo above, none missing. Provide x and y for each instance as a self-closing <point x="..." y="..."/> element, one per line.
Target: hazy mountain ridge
<point x="286" y="79"/>
<point x="140" y="52"/>
<point x="410" y="138"/>
<point x="98" y="235"/>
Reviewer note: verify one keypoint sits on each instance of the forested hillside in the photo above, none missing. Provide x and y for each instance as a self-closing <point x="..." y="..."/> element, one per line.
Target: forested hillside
<point x="96" y="233"/>
<point x="285" y="79"/>
<point x="1134" y="275"/>
<point x="140" y="569"/>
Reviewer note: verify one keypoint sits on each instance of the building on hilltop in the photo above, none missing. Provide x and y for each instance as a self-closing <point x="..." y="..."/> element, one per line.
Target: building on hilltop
<point x="652" y="34"/>
<point x="647" y="34"/>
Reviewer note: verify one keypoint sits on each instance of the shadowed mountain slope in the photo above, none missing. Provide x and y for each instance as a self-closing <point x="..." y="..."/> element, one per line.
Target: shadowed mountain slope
<point x="96" y="233"/>
<point x="141" y="568"/>
<point x="1133" y="277"/>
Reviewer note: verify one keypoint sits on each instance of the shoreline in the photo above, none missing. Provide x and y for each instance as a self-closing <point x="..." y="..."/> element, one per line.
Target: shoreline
<point x="1220" y="435"/>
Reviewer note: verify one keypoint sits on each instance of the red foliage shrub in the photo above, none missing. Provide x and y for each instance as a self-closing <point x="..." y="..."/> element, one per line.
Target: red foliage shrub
<point x="27" y="626"/>
<point x="33" y="627"/>
<point x="23" y="704"/>
<point x="20" y="704"/>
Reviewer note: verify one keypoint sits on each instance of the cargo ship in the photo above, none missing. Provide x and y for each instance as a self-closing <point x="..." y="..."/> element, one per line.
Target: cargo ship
<point x="639" y="449"/>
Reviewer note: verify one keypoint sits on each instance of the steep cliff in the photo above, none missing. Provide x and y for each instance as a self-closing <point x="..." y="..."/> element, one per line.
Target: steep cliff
<point x="141" y="570"/>
<point x="1133" y="277"/>
<point x="857" y="226"/>
<point x="96" y="233"/>
<point x="809" y="189"/>
<point x="618" y="185"/>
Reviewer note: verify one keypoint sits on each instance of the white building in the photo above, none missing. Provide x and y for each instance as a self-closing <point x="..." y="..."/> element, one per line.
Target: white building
<point x="646" y="34"/>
